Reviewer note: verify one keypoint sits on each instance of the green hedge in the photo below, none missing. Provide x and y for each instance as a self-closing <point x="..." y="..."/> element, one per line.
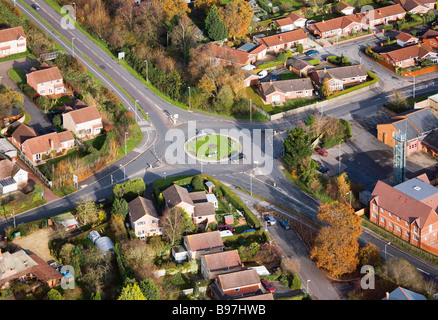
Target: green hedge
<point x="270" y="64"/>
<point x="130" y="190"/>
<point x="264" y="6"/>
<point x="373" y="80"/>
<point x="259" y="236"/>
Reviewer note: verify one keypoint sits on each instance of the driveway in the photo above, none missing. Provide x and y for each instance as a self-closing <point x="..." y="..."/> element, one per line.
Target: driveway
<point x="39" y="121"/>
<point x="38" y="243"/>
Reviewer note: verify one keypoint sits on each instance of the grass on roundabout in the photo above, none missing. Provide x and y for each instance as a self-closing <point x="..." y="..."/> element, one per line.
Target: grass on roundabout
<point x="212" y="147"/>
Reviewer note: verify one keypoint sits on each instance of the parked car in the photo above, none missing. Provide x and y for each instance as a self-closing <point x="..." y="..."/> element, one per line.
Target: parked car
<point x="284" y="224"/>
<point x="274" y="77"/>
<point x="262" y="74"/>
<point x="323" y="169"/>
<point x="226" y="233"/>
<point x="223" y="227"/>
<point x="270" y="220"/>
<point x="249" y="230"/>
<point x="249" y="67"/>
<point x="267" y="285"/>
<point x="322" y="152"/>
<point x="312" y="53"/>
<point x="35" y="6"/>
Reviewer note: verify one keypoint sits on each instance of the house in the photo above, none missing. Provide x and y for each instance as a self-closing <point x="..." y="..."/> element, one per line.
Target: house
<point x="250" y="79"/>
<point x="46" y="80"/>
<point x="430" y="143"/>
<point x="256" y="52"/>
<point x="416" y="124"/>
<point x="40" y="147"/>
<point x="291" y="22"/>
<point x="430" y="37"/>
<point x="227" y="55"/>
<point x="12" y="41"/>
<point x="284" y="90"/>
<point x="403" y="294"/>
<point x="408" y="56"/>
<point x="83" y="122"/>
<point x="345" y="8"/>
<point x="215" y="264"/>
<point x="384" y="15"/>
<point x="12" y="175"/>
<point x="143" y="218"/>
<point x="417" y="6"/>
<point x="203" y="243"/>
<point x="284" y="41"/>
<point x="340" y="26"/>
<point x="21" y="265"/>
<point x="237" y="284"/>
<point x="21" y="134"/>
<point x="263" y="296"/>
<point x="301" y="67"/>
<point x="341" y="77"/>
<point x="408" y="210"/>
<point x="405" y="39"/>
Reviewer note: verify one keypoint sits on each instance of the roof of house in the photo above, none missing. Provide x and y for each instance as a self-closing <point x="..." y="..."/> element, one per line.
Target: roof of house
<point x="264" y="296"/>
<point x="295" y="16"/>
<point x="204" y="240"/>
<point x="14" y="265"/>
<point x="175" y="194"/>
<point x="341" y="5"/>
<point x="285" y="37"/>
<point x="23" y="132"/>
<point x="430" y="34"/>
<point x="229" y="54"/>
<point x="11" y="34"/>
<point x="404" y="294"/>
<point x="85" y="114"/>
<point x="337" y="23"/>
<point x="431" y="140"/>
<point x="412" y="4"/>
<point x="384" y="12"/>
<point x="420" y="190"/>
<point x="222" y="260"/>
<point x="74" y="104"/>
<point x="405" y="53"/>
<point x="44" y="75"/>
<point x="204" y="209"/>
<point x="43" y="271"/>
<point x="405" y="37"/>
<point x="247" y="47"/>
<point x="285" y="86"/>
<point x="8" y="168"/>
<point x="405" y="126"/>
<point x="300" y="64"/>
<point x="65" y="136"/>
<point x="344" y="72"/>
<point x="415" y="123"/>
<point x="139" y="207"/>
<point x="43" y="143"/>
<point x="198" y="196"/>
<point x="258" y="49"/>
<point x="403" y="205"/>
<point x="238" y="279"/>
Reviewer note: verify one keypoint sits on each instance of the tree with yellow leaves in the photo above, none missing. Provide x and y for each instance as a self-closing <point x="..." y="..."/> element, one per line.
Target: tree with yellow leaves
<point x="237" y="16"/>
<point x="206" y="5"/>
<point x="172" y="8"/>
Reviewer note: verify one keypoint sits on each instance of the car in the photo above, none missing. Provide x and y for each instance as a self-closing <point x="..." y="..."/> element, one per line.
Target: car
<point x="274" y="77"/>
<point x="249" y="67"/>
<point x="249" y="230"/>
<point x="262" y="74"/>
<point x="234" y="155"/>
<point x="35" y="6"/>
<point x="224" y="227"/>
<point x="323" y="169"/>
<point x="312" y="53"/>
<point x="284" y="224"/>
<point x="322" y="152"/>
<point x="270" y="220"/>
<point x="267" y="285"/>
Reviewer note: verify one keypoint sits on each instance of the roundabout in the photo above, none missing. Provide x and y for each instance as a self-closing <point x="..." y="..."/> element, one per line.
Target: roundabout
<point x="213" y="147"/>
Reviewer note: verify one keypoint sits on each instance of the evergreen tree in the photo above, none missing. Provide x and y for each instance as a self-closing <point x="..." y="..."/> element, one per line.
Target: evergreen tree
<point x="215" y="27"/>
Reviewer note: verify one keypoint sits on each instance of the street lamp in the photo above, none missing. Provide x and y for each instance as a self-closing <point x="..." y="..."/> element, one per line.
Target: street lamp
<point x="72" y="46"/>
<point x="190" y="98"/>
<point x="164" y="175"/>
<point x="147" y="71"/>
<point x="349" y="192"/>
<point x="385" y="248"/>
<point x="307" y="289"/>
<point x="124" y="172"/>
<point x="250" y="110"/>
<point x="125" y="142"/>
<point x="135" y="109"/>
<point x="202" y="163"/>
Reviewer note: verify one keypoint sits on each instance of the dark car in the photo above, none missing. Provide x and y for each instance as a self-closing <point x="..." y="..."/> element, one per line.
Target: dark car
<point x="322" y="152"/>
<point x="274" y="77"/>
<point x="223" y="227"/>
<point x="35" y="7"/>
<point x="267" y="285"/>
<point x="322" y="169"/>
<point x="284" y="224"/>
<point x="270" y="220"/>
<point x="235" y="155"/>
<point x="312" y="53"/>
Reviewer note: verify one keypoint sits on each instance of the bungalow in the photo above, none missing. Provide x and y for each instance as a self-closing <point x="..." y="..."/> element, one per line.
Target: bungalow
<point x="83" y="122"/>
<point x="284" y="90"/>
<point x="46" y="80"/>
<point x="407" y="56"/>
<point x="11" y="175"/>
<point x="238" y="284"/>
<point x="143" y="218"/>
<point x="12" y="40"/>
<point x="203" y="243"/>
<point x="227" y="55"/>
<point x="291" y="22"/>
<point x="284" y="41"/>
<point x="345" y="8"/>
<point x="301" y="67"/>
<point x="256" y="52"/>
<point x="250" y="78"/>
<point x="417" y="6"/>
<point x="215" y="264"/>
<point x="384" y="15"/>
<point x="430" y="37"/>
<point x="405" y="39"/>
<point x="340" y="26"/>
<point x="341" y="77"/>
<point x="416" y="124"/>
<point x="21" y="134"/>
<point x="409" y="210"/>
<point x="41" y="146"/>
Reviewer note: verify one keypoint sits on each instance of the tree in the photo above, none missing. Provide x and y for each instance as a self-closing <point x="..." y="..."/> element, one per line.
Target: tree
<point x="95" y="296"/>
<point x="369" y="255"/>
<point x="297" y="145"/>
<point x="206" y="5"/>
<point x="54" y="294"/>
<point x="120" y="206"/>
<point x="131" y="292"/>
<point x="237" y="17"/>
<point x="66" y="253"/>
<point x="57" y="120"/>
<point x="214" y="25"/>
<point x="149" y="289"/>
<point x="175" y="222"/>
<point x="344" y="191"/>
<point x="300" y="48"/>
<point x="118" y="226"/>
<point x="87" y="211"/>
<point x="172" y="8"/>
<point x="184" y="36"/>
<point x="326" y="89"/>
<point x="224" y="99"/>
<point x="400" y="272"/>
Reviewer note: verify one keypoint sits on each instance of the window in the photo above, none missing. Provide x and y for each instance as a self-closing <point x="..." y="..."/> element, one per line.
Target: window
<point x="407" y="233"/>
<point x="430" y="228"/>
<point x="154" y="221"/>
<point x="374" y="207"/>
<point x="390" y="214"/>
<point x="415" y="229"/>
<point x="391" y="225"/>
<point x="141" y="223"/>
<point x="382" y="210"/>
<point x="383" y="220"/>
<point x="237" y="290"/>
<point x="374" y="215"/>
<point x="416" y="238"/>
<point x="407" y="223"/>
<point x="398" y="229"/>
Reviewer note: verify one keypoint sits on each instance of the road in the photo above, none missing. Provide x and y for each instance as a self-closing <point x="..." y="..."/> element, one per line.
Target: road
<point x="152" y="150"/>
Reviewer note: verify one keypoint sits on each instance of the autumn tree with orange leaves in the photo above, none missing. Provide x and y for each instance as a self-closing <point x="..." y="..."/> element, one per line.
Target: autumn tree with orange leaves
<point x="237" y="16"/>
<point x="336" y="247"/>
<point x="172" y="8"/>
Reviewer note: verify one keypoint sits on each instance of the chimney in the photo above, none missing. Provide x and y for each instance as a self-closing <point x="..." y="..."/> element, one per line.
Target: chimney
<point x="387" y="296"/>
<point x="280" y="37"/>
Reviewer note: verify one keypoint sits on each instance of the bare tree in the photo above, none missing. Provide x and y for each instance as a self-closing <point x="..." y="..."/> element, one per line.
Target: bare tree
<point x="175" y="222"/>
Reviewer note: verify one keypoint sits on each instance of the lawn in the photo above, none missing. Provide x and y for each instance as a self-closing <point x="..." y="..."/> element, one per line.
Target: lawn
<point x="288" y="75"/>
<point x="216" y="146"/>
<point x="97" y="142"/>
<point x="17" y="75"/>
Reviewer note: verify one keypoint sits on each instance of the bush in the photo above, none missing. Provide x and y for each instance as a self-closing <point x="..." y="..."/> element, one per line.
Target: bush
<point x="296" y="283"/>
<point x="198" y="183"/>
<point x="258" y="236"/>
<point x="388" y="27"/>
<point x="27" y="90"/>
<point x="43" y="102"/>
<point x="130" y="189"/>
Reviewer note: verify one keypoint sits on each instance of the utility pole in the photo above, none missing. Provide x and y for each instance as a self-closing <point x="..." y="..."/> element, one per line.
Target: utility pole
<point x="414" y="88"/>
<point x="147" y="71"/>
<point x="250" y="110"/>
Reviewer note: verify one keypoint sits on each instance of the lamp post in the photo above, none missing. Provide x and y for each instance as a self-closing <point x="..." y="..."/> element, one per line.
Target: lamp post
<point x="307" y="286"/>
<point x="349" y="192"/>
<point x="385" y="248"/>
<point x="250" y="179"/>
<point x="190" y="98"/>
<point x="124" y="172"/>
<point x="125" y="142"/>
<point x="135" y="109"/>
<point x="72" y="46"/>
<point x="202" y="164"/>
<point x="250" y="110"/>
<point x="147" y="71"/>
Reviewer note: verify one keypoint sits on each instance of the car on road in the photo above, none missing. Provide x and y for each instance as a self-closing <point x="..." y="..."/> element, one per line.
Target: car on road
<point x="267" y="285"/>
<point x="249" y="230"/>
<point x="234" y="155"/>
<point x="166" y="113"/>
<point x="323" y="169"/>
<point x="262" y="74"/>
<point x="322" y="152"/>
<point x="270" y="220"/>
<point x="284" y="224"/>
<point x="312" y="53"/>
<point x="35" y="6"/>
<point x="223" y="227"/>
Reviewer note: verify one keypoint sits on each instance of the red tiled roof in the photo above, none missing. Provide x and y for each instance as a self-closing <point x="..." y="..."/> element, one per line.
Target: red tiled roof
<point x="11" y="34"/>
<point x="205" y="240"/>
<point x="405" y="37"/>
<point x="284" y="37"/>
<point x="44" y="75"/>
<point x="385" y="12"/>
<point x="417" y="51"/>
<point x="338" y="23"/>
<point x="84" y="114"/>
<point x="23" y="132"/>
<point x="230" y="54"/>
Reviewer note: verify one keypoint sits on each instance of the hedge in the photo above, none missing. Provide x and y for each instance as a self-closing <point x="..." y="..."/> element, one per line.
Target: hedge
<point x="259" y="236"/>
<point x="359" y="86"/>
<point x="270" y="64"/>
<point x="130" y="190"/>
<point x="264" y="6"/>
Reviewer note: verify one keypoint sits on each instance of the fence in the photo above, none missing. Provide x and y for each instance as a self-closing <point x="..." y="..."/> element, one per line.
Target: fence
<point x="34" y="169"/>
